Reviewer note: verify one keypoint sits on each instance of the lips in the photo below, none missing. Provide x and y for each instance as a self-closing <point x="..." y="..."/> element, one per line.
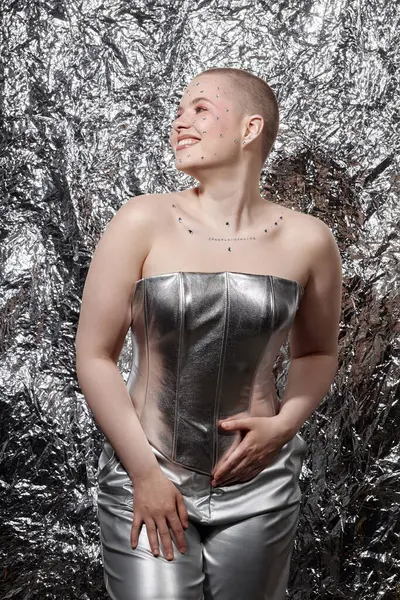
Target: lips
<point x="191" y="143"/>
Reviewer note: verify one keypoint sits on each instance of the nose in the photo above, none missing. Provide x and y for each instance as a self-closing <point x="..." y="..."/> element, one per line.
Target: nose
<point x="183" y="121"/>
<point x="180" y="123"/>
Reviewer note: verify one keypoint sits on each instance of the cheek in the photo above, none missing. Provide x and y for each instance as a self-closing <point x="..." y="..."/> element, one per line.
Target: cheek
<point x="212" y="126"/>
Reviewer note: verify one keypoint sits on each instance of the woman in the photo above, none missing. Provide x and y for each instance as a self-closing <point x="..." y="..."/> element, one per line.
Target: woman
<point x="198" y="477"/>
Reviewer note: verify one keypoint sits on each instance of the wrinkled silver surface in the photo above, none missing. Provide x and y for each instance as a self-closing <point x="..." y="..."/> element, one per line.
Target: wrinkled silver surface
<point x="88" y="91"/>
<point x="204" y="346"/>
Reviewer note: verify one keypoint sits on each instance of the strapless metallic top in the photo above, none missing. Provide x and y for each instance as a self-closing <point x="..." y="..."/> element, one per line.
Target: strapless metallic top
<point x="203" y="349"/>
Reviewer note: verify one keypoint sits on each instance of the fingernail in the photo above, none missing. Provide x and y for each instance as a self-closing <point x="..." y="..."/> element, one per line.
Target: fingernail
<point x="182" y="550"/>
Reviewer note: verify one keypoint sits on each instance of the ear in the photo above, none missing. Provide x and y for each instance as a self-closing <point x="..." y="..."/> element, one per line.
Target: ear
<point x="254" y="127"/>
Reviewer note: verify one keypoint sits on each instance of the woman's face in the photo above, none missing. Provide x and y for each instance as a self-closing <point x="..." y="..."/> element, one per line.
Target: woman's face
<point x="207" y="128"/>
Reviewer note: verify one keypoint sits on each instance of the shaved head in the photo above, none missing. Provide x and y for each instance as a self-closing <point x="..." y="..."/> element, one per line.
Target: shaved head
<point x="252" y="95"/>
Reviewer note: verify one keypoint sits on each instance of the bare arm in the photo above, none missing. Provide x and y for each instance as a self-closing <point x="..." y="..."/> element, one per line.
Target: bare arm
<point x="104" y="321"/>
<point x="314" y="335"/>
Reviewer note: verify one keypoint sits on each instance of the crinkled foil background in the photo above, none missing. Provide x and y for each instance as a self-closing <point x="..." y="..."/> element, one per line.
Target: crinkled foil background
<point x="88" y="90"/>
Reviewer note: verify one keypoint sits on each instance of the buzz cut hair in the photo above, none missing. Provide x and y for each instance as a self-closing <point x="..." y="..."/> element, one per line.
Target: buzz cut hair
<point x="254" y="96"/>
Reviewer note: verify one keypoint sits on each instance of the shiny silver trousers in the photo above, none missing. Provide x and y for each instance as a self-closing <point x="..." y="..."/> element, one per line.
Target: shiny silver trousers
<point x="239" y="541"/>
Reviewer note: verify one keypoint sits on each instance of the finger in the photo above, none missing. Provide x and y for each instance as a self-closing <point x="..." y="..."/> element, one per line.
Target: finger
<point x="234" y="459"/>
<point x="225" y="456"/>
<point x="135" y="531"/>
<point x="177" y="529"/>
<point x="165" y="538"/>
<point x="236" y="473"/>
<point x="152" y="536"/>
<point x="182" y="511"/>
<point x="241" y="415"/>
<point x="238" y="424"/>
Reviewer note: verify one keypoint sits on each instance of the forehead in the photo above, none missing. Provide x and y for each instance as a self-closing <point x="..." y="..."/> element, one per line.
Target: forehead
<point x="213" y="87"/>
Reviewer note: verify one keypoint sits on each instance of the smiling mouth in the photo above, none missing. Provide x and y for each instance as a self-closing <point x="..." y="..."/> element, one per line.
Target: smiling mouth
<point x="182" y="146"/>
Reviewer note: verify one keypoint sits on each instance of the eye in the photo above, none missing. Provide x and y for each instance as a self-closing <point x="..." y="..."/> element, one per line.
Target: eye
<point x="200" y="108"/>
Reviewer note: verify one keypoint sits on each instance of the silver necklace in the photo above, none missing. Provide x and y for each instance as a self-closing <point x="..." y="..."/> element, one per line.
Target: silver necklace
<point x="231" y="239"/>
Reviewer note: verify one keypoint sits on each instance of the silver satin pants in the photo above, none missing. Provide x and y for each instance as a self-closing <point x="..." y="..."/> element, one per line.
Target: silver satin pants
<point x="239" y="541"/>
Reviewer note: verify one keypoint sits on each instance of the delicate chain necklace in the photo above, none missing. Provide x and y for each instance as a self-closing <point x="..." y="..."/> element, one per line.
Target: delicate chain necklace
<point x="231" y="239"/>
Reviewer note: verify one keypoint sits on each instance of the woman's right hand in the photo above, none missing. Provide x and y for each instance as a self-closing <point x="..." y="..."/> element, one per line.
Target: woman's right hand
<point x="160" y="506"/>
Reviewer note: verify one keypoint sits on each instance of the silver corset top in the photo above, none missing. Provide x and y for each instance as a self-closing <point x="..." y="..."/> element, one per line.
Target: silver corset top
<point x="203" y="349"/>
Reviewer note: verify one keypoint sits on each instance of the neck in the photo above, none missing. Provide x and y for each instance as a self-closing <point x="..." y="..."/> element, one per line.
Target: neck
<point x="235" y="199"/>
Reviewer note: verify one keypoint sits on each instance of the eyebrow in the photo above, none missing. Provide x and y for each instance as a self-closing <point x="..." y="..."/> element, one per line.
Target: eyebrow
<point x="197" y="100"/>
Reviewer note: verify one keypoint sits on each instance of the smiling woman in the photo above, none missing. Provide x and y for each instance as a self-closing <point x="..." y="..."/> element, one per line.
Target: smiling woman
<point x="198" y="479"/>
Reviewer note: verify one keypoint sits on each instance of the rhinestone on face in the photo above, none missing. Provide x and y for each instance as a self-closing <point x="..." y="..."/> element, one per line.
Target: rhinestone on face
<point x="266" y="230"/>
<point x="202" y="157"/>
<point x="230" y="249"/>
<point x="217" y="118"/>
<point x="276" y="223"/>
<point x="281" y="217"/>
<point x="190" y="231"/>
<point x="174" y="206"/>
<point x="220" y="135"/>
<point x="217" y="96"/>
<point x="201" y="91"/>
<point x="204" y="131"/>
<point x="235" y="140"/>
<point x="227" y="110"/>
<point x="227" y="223"/>
<point x="180" y="220"/>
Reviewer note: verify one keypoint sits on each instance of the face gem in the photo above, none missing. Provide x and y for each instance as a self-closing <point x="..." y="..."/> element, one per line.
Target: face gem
<point x="235" y="140"/>
<point x="204" y="131"/>
<point x="202" y="157"/>
<point x="217" y="118"/>
<point x="227" y="110"/>
<point x="187" y="154"/>
<point x="220" y="135"/>
<point x="217" y="96"/>
<point x="201" y="91"/>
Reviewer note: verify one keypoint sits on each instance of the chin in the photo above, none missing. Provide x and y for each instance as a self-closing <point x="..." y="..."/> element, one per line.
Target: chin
<point x="195" y="167"/>
<point x="192" y="169"/>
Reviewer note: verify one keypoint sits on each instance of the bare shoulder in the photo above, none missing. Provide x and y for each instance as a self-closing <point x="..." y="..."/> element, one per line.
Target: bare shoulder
<point x="142" y="207"/>
<point x="319" y="241"/>
<point x="306" y="224"/>
<point x="312" y="234"/>
<point x="147" y="208"/>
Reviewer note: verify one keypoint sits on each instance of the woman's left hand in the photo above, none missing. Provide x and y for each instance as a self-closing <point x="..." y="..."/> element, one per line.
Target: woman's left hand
<point x="263" y="439"/>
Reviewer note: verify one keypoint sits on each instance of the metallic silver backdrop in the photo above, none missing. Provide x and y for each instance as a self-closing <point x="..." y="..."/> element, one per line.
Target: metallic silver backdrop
<point x="88" y="90"/>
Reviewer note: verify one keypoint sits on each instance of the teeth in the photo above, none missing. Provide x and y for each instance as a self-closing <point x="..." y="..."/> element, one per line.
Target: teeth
<point x="187" y="141"/>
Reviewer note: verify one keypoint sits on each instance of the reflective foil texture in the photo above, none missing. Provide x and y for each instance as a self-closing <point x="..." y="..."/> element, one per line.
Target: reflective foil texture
<point x="88" y="91"/>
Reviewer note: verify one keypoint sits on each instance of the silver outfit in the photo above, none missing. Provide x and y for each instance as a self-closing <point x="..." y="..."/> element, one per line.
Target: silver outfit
<point x="204" y="345"/>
